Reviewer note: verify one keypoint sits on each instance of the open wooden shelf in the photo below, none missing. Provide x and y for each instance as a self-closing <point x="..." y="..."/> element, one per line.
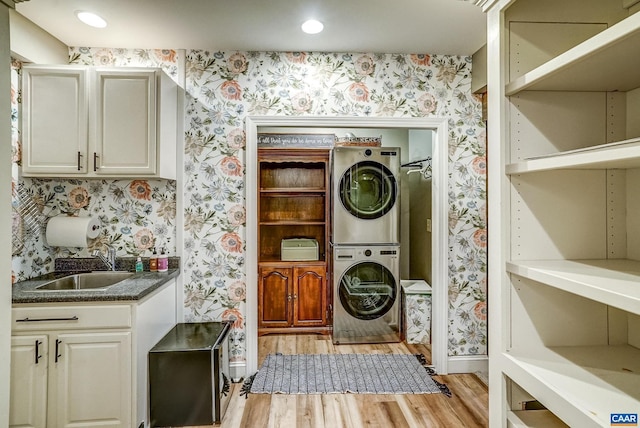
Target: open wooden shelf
<point x="615" y="282"/>
<point x="534" y="419"/>
<point x="609" y="61"/>
<point x="587" y="383"/>
<point x="619" y="155"/>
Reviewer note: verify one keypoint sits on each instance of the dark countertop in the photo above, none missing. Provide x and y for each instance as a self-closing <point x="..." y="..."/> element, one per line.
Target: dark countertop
<point x="132" y="289"/>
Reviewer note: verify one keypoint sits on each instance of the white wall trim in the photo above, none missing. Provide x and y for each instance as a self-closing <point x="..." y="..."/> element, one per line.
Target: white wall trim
<point x="237" y="371"/>
<point x="440" y="314"/>
<point x="5" y="220"/>
<point x="469" y="364"/>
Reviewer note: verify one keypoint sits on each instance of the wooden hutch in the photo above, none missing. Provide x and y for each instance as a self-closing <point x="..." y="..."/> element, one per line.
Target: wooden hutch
<point x="293" y="202"/>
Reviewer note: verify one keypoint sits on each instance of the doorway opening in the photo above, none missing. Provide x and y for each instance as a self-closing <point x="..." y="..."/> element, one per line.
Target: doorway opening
<point x="439" y="186"/>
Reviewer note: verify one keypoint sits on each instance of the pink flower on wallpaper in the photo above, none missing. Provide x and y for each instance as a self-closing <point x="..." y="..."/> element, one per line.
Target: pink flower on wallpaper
<point x="143" y="239"/>
<point x="358" y="91"/>
<point x="78" y="198"/>
<point x="231" y="166"/>
<point x="235" y="316"/>
<point x="480" y="311"/>
<point x="104" y="57"/>
<point x="237" y="291"/>
<point x="480" y="238"/>
<point x="231" y="242"/>
<point x="301" y="102"/>
<point x="236" y="215"/>
<point x="421" y="59"/>
<point x="427" y="104"/>
<point x="237" y="63"/>
<point x="140" y="189"/>
<point x="165" y="55"/>
<point x="297" y="57"/>
<point x="231" y="90"/>
<point x="479" y="165"/>
<point x="364" y="65"/>
<point x="236" y="138"/>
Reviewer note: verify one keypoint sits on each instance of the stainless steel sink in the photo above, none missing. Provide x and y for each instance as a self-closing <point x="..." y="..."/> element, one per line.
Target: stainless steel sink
<point x="85" y="281"/>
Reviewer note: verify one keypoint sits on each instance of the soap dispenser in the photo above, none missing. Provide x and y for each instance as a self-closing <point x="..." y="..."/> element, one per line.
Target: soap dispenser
<point x="139" y="266"/>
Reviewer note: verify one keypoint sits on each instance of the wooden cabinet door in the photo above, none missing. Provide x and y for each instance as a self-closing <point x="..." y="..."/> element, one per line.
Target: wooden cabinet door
<point x="310" y="294"/>
<point x="275" y="294"/>
<point x="55" y="121"/>
<point x="93" y="375"/>
<point x="29" y="371"/>
<point x="125" y="122"/>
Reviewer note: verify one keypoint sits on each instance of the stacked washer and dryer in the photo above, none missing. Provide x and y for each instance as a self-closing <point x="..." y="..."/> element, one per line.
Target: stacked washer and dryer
<point x="365" y="244"/>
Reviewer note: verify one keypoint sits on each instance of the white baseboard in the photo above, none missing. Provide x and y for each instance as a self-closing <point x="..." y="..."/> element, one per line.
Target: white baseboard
<point x="237" y="371"/>
<point x="468" y="364"/>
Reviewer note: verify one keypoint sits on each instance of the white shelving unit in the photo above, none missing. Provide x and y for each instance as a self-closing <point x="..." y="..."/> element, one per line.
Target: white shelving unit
<point x="564" y="211"/>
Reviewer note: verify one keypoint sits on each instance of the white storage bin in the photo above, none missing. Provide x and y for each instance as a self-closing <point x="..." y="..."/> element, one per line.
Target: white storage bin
<point x="299" y="249"/>
<point x="416" y="301"/>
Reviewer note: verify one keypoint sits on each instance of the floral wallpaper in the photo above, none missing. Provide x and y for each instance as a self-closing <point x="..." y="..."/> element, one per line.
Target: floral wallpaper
<point x="222" y="88"/>
<point x="417" y="318"/>
<point x="136" y="215"/>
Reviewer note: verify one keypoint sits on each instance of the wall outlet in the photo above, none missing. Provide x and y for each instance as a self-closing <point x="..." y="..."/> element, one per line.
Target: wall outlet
<point x="428" y="225"/>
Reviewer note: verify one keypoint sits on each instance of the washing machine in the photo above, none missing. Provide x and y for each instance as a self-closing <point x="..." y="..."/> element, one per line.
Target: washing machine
<point x="365" y="193"/>
<point x="366" y="306"/>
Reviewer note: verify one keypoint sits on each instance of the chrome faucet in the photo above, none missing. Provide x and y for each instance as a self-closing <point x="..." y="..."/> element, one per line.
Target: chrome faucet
<point x="109" y="260"/>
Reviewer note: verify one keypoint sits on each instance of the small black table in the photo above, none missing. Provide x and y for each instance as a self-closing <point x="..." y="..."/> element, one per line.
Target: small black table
<point x="189" y="381"/>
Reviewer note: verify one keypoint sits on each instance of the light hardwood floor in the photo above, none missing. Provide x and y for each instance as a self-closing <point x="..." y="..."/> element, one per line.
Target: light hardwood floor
<point x="467" y="408"/>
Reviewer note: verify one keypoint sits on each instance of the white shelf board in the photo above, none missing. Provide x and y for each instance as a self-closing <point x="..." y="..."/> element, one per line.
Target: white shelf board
<point x="608" y="61"/>
<point x="582" y="385"/>
<point x="614" y="282"/>
<point x="534" y="419"/>
<point x="618" y="155"/>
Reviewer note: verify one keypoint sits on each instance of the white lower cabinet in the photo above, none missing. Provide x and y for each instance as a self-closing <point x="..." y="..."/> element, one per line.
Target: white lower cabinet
<point x="93" y="379"/>
<point x="81" y="365"/>
<point x="29" y="370"/>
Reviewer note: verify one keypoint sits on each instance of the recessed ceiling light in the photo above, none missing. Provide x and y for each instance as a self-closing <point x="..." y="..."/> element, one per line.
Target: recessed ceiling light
<point x="312" y="26"/>
<point x="91" y="19"/>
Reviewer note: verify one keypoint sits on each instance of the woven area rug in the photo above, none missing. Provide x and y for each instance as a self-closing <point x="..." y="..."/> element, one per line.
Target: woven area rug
<point x="344" y="373"/>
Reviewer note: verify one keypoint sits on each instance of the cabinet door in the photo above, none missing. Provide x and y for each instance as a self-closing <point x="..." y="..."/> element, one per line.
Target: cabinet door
<point x="275" y="297"/>
<point x="28" y="393"/>
<point x="125" y="122"/>
<point x="55" y="121"/>
<point x="93" y="379"/>
<point x="310" y="296"/>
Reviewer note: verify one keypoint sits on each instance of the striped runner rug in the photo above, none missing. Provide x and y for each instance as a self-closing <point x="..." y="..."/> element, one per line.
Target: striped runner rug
<point x="344" y="373"/>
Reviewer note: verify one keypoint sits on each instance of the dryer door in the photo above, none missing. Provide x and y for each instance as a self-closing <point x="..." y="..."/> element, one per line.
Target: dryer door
<point x="367" y="290"/>
<point x="368" y="190"/>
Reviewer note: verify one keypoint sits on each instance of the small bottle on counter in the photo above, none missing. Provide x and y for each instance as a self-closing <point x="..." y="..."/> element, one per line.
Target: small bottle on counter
<point x="153" y="261"/>
<point x="139" y="266"/>
<point x="163" y="261"/>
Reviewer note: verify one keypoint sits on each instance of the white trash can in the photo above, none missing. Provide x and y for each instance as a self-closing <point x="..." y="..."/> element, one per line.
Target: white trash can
<point x="416" y="312"/>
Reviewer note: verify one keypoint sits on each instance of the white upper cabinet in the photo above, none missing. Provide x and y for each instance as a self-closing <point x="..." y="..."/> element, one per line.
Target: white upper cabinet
<point x="98" y="122"/>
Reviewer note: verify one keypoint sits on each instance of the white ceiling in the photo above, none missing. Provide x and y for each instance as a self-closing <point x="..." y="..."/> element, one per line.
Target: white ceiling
<point x="453" y="27"/>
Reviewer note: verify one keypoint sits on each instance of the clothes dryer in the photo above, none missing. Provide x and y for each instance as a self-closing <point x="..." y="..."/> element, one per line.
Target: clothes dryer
<point x="365" y="195"/>
<point x="366" y="294"/>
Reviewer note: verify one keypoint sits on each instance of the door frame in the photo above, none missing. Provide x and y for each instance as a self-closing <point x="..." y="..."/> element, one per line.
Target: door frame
<point x="440" y="212"/>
